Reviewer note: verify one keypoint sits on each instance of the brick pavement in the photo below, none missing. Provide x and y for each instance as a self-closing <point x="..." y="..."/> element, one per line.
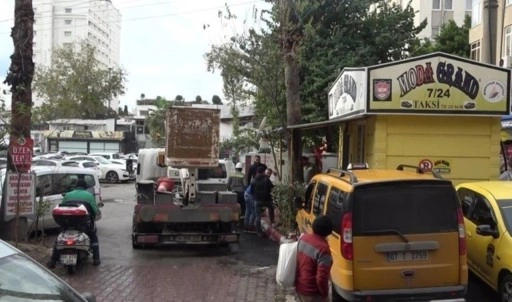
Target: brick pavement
<point x="199" y="281"/>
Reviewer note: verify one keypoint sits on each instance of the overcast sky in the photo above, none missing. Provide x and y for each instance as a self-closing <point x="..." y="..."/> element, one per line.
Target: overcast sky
<point x="162" y="44"/>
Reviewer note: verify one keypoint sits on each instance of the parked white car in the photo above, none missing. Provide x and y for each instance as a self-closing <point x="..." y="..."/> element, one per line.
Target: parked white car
<point x="117" y="158"/>
<point x="83" y="164"/>
<point x="52" y="162"/>
<point x="53" y="182"/>
<point x="109" y="171"/>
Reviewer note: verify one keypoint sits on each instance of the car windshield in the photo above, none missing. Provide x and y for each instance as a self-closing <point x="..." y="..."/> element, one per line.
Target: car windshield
<point x="116" y="156"/>
<point x="506" y="212"/>
<point x="23" y="280"/>
<point x="102" y="160"/>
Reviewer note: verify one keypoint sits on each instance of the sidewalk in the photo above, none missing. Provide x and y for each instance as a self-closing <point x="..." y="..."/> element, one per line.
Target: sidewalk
<point x="272" y="232"/>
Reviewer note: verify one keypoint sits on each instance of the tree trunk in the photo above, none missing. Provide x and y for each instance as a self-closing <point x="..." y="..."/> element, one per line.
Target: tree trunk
<point x="21" y="73"/>
<point x="291" y="37"/>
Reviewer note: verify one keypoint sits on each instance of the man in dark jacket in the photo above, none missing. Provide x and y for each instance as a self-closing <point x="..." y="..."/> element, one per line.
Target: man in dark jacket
<point x="252" y="169"/>
<point x="261" y="186"/>
<point x="314" y="263"/>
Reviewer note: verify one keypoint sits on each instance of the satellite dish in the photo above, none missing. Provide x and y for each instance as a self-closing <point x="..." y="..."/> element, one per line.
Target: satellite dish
<point x="263" y="124"/>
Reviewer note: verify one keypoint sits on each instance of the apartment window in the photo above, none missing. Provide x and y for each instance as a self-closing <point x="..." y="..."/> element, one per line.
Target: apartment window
<point x="435" y="31"/>
<point x="475" y="51"/>
<point x="436" y="4"/>
<point x="508" y="41"/>
<point x="67" y="34"/>
<point x="476" y="13"/>
<point x="448" y="4"/>
<point x="68" y="10"/>
<point x="509" y="2"/>
<point x="67" y="22"/>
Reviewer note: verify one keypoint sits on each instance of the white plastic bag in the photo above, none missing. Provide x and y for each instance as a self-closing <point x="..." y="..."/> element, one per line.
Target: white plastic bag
<point x="287" y="264"/>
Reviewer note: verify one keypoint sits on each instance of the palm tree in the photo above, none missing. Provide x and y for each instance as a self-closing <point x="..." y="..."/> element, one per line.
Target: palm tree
<point x="155" y="121"/>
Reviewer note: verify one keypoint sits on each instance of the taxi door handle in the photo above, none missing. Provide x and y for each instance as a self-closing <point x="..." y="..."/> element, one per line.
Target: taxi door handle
<point x="470" y="235"/>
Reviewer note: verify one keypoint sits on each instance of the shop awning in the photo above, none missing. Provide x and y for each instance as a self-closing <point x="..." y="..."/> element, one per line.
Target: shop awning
<point x="323" y="123"/>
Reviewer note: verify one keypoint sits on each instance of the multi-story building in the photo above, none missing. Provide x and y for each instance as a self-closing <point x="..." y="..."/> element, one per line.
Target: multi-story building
<point x="437" y="13"/>
<point x="491" y="34"/>
<point x="61" y="22"/>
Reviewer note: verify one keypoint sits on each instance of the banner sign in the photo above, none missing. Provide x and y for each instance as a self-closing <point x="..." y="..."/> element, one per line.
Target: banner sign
<point x="439" y="84"/>
<point x="347" y="96"/>
<point x="21" y="189"/>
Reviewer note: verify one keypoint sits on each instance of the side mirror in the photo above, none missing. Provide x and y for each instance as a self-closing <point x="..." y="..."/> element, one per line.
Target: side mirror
<point x="101" y="204"/>
<point x="63" y="194"/>
<point x="487" y="230"/>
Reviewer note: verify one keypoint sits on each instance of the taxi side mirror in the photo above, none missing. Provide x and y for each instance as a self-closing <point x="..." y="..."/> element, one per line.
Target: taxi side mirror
<point x="487" y="230"/>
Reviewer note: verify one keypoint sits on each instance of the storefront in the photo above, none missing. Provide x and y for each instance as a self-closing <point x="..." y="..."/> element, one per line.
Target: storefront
<point x="439" y="112"/>
<point x="85" y="141"/>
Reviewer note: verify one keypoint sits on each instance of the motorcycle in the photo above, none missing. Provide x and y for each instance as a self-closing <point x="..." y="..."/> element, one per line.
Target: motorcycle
<point x="72" y="244"/>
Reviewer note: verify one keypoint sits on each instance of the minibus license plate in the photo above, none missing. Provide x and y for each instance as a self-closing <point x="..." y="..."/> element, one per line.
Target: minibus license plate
<point x="407" y="256"/>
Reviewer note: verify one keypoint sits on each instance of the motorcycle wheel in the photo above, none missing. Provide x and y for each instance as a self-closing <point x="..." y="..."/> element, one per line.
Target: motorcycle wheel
<point x="71" y="269"/>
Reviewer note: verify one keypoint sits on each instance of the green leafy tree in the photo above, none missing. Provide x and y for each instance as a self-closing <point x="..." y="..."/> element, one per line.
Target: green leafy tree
<point x="125" y="110"/>
<point x="452" y="39"/>
<point x="199" y="99"/>
<point x="76" y="85"/>
<point x="216" y="100"/>
<point x="155" y="121"/>
<point x="348" y="34"/>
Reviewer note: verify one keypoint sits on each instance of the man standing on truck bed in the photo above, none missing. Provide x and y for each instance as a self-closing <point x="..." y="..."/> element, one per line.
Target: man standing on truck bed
<point x="252" y="169"/>
<point x="236" y="184"/>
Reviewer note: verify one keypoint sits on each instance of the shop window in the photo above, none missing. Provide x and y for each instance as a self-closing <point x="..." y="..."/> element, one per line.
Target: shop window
<point x="448" y="4"/>
<point x="508" y="41"/>
<point x="469" y="4"/>
<point x="476" y="13"/>
<point x="436" y="4"/>
<point x="68" y="10"/>
<point x="475" y="51"/>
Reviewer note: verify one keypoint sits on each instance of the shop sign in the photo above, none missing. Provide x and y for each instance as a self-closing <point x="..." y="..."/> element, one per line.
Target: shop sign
<point x="442" y="167"/>
<point x="21" y="190"/>
<point x="347" y="96"/>
<point x="439" y="84"/>
<point x="21" y="150"/>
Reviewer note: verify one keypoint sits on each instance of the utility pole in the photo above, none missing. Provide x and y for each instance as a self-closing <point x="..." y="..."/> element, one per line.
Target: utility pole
<point x="19" y="77"/>
<point x="291" y="36"/>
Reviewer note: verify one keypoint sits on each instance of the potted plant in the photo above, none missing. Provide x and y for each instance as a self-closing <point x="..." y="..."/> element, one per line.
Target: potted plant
<point x="284" y="195"/>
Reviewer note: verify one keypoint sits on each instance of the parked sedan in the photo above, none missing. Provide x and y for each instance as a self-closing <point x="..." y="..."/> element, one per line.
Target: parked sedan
<point x="24" y="279"/>
<point x="487" y="209"/>
<point x="110" y="172"/>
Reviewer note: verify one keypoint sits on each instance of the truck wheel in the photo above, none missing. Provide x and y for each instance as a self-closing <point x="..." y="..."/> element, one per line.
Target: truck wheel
<point x="112" y="177"/>
<point x="136" y="245"/>
<point x="234" y="248"/>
